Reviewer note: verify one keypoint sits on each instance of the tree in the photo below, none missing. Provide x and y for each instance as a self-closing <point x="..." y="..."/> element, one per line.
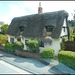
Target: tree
<point x="4" y="27"/>
<point x="71" y="23"/>
<point x="1" y="22"/>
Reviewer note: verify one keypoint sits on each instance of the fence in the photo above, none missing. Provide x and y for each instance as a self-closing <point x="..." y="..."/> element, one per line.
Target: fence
<point x="70" y="46"/>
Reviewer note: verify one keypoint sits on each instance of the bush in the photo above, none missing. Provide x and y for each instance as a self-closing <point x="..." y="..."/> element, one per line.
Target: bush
<point x="64" y="39"/>
<point x="18" y="45"/>
<point x="33" y="45"/>
<point x="3" y="39"/>
<point x="67" y="58"/>
<point x="48" y="53"/>
<point x="62" y="45"/>
<point x="9" y="47"/>
<point x="4" y="27"/>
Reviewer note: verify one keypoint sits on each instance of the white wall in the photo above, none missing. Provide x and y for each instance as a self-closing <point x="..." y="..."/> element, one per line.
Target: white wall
<point x="9" y="36"/>
<point x="62" y="31"/>
<point x="23" y="41"/>
<point x="55" y="45"/>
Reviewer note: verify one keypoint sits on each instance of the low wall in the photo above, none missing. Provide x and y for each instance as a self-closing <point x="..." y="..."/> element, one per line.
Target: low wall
<point x="1" y="47"/>
<point x="27" y="54"/>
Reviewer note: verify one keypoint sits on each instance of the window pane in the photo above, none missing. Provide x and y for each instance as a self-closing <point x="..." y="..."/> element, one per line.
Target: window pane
<point x="49" y="28"/>
<point x="41" y="44"/>
<point x="11" y="40"/>
<point x="25" y="41"/>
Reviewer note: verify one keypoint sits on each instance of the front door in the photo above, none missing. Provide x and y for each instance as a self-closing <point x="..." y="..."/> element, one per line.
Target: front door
<point x="18" y="39"/>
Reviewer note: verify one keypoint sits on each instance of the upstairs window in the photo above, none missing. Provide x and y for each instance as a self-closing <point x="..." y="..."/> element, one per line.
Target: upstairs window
<point x="64" y="29"/>
<point x="49" y="28"/>
<point x="21" y="28"/>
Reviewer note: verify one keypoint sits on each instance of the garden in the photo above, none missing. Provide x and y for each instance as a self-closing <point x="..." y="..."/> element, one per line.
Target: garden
<point x="67" y="53"/>
<point x="16" y="48"/>
<point x="64" y="56"/>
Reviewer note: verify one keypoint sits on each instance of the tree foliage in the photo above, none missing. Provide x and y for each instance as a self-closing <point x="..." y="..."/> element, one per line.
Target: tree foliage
<point x="4" y="27"/>
<point x="1" y="22"/>
<point x="71" y="23"/>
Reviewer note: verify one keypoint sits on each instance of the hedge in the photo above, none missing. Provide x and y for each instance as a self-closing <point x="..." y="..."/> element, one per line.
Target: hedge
<point x="67" y="58"/>
<point x="47" y="53"/>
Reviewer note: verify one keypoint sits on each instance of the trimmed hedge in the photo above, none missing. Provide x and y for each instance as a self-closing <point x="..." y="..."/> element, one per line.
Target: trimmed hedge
<point x="67" y="58"/>
<point x="47" y="53"/>
<point x="33" y="45"/>
<point x="9" y="47"/>
<point x="18" y="45"/>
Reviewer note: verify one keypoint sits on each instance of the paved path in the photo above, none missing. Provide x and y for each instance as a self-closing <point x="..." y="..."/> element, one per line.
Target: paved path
<point x="36" y="67"/>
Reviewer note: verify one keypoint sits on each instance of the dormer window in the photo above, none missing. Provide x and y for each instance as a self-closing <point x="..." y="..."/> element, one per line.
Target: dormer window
<point x="21" y="28"/>
<point x="49" y="28"/>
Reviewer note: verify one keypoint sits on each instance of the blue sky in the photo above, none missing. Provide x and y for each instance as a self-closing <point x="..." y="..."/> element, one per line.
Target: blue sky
<point x="11" y="9"/>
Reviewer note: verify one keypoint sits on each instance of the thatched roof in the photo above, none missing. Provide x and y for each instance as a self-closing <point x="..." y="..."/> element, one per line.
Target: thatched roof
<point x="34" y="24"/>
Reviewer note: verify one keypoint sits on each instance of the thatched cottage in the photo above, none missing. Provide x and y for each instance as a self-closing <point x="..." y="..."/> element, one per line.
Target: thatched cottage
<point x="49" y="28"/>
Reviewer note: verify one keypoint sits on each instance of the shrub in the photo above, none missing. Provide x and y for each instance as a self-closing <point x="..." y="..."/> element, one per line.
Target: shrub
<point x="18" y="45"/>
<point x="33" y="45"/>
<point x="48" y="53"/>
<point x="3" y="39"/>
<point x="9" y="47"/>
<point x="62" y="45"/>
<point x="64" y="39"/>
<point x="4" y="27"/>
<point x="67" y="58"/>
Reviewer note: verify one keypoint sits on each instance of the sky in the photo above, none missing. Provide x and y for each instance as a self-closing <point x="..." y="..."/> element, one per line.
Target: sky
<point x="11" y="9"/>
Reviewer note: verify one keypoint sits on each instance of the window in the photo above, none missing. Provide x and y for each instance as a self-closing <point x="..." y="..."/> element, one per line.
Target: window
<point x="64" y="29"/>
<point x="49" y="28"/>
<point x="11" y="40"/>
<point x="21" y="28"/>
<point x="73" y="31"/>
<point x="41" y="44"/>
<point x="26" y="41"/>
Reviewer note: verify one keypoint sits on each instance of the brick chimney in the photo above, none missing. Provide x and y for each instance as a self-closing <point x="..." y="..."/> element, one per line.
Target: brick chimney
<point x="40" y="8"/>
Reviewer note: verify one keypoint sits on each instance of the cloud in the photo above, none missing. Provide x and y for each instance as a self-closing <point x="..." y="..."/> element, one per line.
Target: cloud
<point x="5" y="19"/>
<point x="31" y="7"/>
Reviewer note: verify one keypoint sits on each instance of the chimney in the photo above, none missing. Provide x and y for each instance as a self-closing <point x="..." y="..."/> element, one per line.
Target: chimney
<point x="39" y="8"/>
